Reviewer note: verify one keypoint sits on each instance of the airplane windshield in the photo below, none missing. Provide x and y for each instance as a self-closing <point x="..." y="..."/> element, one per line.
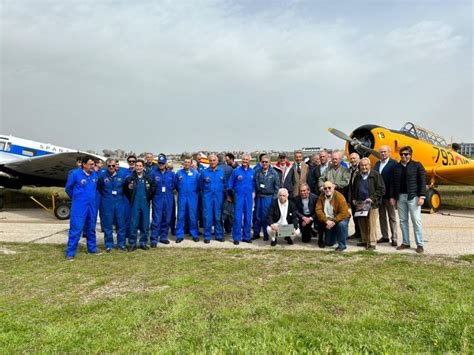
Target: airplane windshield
<point x="2" y="145"/>
<point x="424" y="134"/>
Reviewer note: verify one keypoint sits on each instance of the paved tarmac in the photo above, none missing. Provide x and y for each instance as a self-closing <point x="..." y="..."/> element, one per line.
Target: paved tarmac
<point x="445" y="233"/>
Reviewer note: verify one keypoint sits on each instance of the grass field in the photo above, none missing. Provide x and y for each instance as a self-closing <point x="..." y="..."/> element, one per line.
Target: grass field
<point x="191" y="300"/>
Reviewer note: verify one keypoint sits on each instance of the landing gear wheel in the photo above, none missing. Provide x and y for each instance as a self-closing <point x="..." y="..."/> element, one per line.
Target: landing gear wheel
<point x="2" y="202"/>
<point x="63" y="211"/>
<point x="432" y="200"/>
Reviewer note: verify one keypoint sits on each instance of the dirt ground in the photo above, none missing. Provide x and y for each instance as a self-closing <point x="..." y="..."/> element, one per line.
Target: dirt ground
<point x="445" y="233"/>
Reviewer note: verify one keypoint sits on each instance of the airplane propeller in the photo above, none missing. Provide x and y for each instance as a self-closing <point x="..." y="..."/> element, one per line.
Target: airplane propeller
<point x="357" y="144"/>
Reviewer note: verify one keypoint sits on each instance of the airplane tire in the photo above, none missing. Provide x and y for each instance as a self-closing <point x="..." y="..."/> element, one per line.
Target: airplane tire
<point x="2" y="202"/>
<point x="63" y="211"/>
<point x="432" y="200"/>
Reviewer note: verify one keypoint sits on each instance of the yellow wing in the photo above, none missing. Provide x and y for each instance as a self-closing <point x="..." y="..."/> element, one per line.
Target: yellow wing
<point x="453" y="174"/>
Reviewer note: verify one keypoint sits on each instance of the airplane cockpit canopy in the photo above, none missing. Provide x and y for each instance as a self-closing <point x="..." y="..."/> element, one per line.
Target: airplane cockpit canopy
<point x="418" y="132"/>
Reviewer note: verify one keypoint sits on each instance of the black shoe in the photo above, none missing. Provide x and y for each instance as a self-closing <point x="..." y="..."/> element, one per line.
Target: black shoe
<point x="361" y="244"/>
<point x="153" y="246"/>
<point x="143" y="247"/>
<point x="403" y="246"/>
<point x="236" y="242"/>
<point x="420" y="249"/>
<point x="255" y="237"/>
<point x="195" y="239"/>
<point x="322" y="245"/>
<point x="371" y="248"/>
<point x="220" y="240"/>
<point x="383" y="240"/>
<point x="265" y="238"/>
<point x="394" y="243"/>
<point x="247" y="241"/>
<point x="207" y="241"/>
<point x="108" y="250"/>
<point x="273" y="243"/>
<point x="131" y="248"/>
<point x="122" y="248"/>
<point x="164" y="241"/>
<point x="179" y="240"/>
<point x="340" y="249"/>
<point x="354" y="236"/>
<point x="69" y="258"/>
<point x="289" y="240"/>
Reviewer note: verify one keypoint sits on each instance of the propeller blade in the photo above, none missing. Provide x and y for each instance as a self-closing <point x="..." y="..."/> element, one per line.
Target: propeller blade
<point x="369" y="150"/>
<point x="340" y="134"/>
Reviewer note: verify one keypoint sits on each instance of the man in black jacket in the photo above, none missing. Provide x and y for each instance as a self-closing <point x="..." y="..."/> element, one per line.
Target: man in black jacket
<point x="407" y="192"/>
<point x="282" y="212"/>
<point x="306" y="211"/>
<point x="139" y="189"/>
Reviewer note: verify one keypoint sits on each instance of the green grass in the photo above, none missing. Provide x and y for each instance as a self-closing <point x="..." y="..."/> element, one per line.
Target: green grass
<point x="191" y="300"/>
<point x="456" y="197"/>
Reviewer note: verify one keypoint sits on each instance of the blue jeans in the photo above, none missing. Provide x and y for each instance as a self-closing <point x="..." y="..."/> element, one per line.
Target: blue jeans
<point x="411" y="207"/>
<point x="337" y="233"/>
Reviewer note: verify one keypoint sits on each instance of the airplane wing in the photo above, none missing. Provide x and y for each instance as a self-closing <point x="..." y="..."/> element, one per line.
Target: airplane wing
<point x="453" y="174"/>
<point x="45" y="170"/>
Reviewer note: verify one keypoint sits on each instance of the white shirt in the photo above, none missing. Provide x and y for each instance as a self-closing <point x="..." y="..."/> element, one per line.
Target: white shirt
<point x="284" y="212"/>
<point x="382" y="165"/>
<point x="305" y="205"/>
<point x="328" y="210"/>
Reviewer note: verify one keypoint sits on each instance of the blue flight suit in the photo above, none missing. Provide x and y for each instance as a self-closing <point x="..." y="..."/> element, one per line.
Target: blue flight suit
<point x="82" y="188"/>
<point x="266" y="189"/>
<point x="163" y="204"/>
<point x="150" y="168"/>
<point x="143" y="190"/>
<point x="127" y="207"/>
<point x="241" y="184"/>
<point x="212" y="185"/>
<point x="112" y="209"/>
<point x="186" y="183"/>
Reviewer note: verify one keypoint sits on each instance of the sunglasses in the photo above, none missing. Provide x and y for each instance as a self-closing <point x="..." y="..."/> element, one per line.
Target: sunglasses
<point x="265" y="162"/>
<point x="161" y="163"/>
<point x="111" y="166"/>
<point x="327" y="188"/>
<point x="132" y="161"/>
<point x="405" y="154"/>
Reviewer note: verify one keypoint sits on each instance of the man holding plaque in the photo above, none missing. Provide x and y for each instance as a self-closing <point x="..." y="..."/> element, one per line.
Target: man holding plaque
<point x="282" y="219"/>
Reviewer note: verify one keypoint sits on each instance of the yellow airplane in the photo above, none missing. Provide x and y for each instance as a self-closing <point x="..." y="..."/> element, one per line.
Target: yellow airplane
<point x="443" y="165"/>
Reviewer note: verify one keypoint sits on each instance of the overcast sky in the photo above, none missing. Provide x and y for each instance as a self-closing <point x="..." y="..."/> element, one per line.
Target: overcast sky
<point x="172" y="76"/>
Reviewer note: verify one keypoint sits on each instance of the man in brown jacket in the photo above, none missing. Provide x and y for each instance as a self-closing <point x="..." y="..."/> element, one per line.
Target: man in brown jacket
<point x="333" y="213"/>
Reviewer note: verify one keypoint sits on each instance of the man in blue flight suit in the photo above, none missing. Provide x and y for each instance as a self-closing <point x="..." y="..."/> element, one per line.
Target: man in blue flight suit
<point x="139" y="188"/>
<point x="131" y="160"/>
<point x="110" y="187"/>
<point x="186" y="183"/>
<point x="241" y="185"/>
<point x="212" y="184"/>
<point x="163" y="202"/>
<point x="81" y="187"/>
<point x="150" y="165"/>
<point x="267" y="184"/>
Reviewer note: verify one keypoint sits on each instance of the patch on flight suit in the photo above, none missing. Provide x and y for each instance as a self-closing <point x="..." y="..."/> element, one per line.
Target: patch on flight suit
<point x="240" y="177"/>
<point x="83" y="181"/>
<point x="106" y="180"/>
<point x="208" y="179"/>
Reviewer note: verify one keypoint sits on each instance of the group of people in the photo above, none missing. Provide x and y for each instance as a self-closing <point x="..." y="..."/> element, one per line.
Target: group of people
<point x="286" y="199"/>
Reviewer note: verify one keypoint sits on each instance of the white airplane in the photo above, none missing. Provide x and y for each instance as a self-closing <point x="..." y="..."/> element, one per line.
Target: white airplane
<point x="27" y="162"/>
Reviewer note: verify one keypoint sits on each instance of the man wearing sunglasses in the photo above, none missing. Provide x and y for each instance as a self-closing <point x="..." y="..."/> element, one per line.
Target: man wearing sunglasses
<point x="407" y="192"/>
<point x="333" y="216"/>
<point x="131" y="160"/>
<point x="110" y="187"/>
